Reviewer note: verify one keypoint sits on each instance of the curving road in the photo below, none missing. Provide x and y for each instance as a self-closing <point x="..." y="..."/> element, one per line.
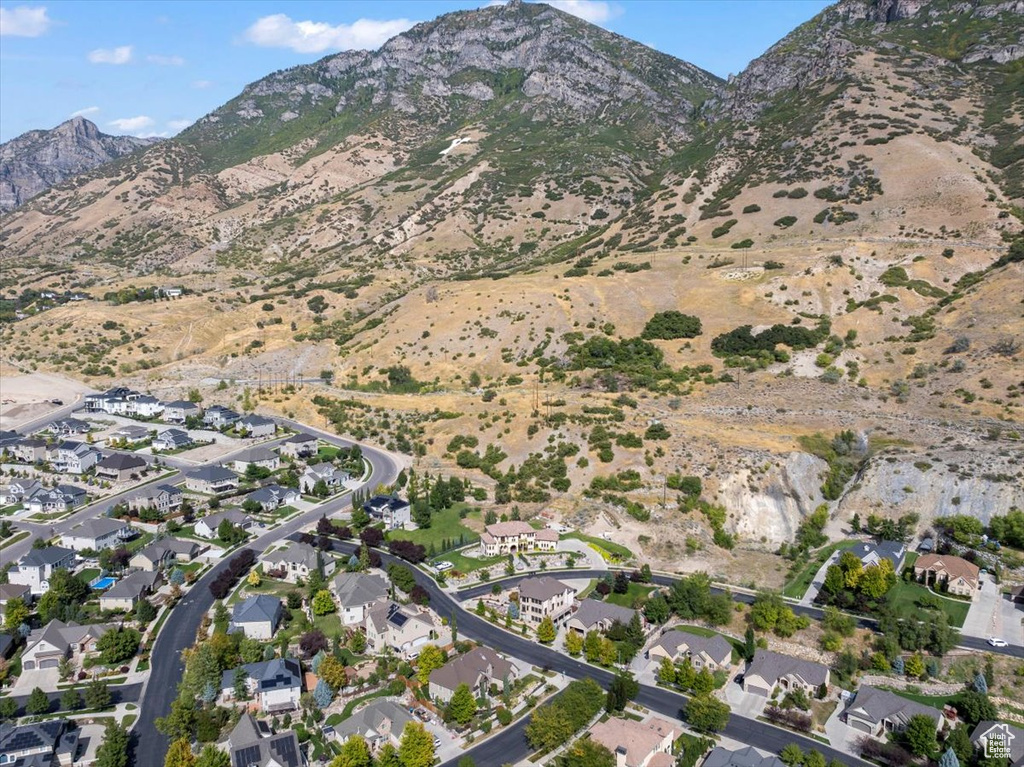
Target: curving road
<point x="179" y="631"/>
<point x="510" y="745"/>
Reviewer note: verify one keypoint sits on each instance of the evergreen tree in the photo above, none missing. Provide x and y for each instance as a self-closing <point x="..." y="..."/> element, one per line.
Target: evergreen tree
<point x="113" y="752"/>
<point x="462" y="707"/>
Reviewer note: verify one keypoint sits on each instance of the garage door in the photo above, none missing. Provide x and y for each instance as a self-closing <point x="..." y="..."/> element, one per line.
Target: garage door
<point x="757" y="690"/>
<point x="29" y="665"/>
<point x="49" y="663"/>
<point x="860" y="725"/>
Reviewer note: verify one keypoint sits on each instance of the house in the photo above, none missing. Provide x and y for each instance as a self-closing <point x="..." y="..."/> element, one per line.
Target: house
<point x="253" y="743"/>
<point x="130" y="590"/>
<point x="595" y="615"/>
<point x="770" y="669"/>
<point x="300" y="446"/>
<point x="877" y="712"/>
<point x="37" y="566"/>
<point x="712" y="652"/>
<point x="959" y="576"/>
<point x="9" y="591"/>
<point x="69" y="426"/>
<point x="389" y="509"/>
<point x="164" y="553"/>
<point x="208" y="526"/>
<point x="355" y="593"/>
<point x="59" y="498"/>
<point x="172" y="439"/>
<point x="403" y="628"/>
<point x="257" y="617"/>
<point x="276" y="684"/>
<point x="121" y="467"/>
<point x="29" y="450"/>
<point x="19" y="490"/>
<point x="638" y="744"/>
<point x="256" y="426"/>
<point x="478" y="669"/>
<point x="164" y="498"/>
<point x="322" y="472"/>
<point x="380" y="722"/>
<point x="50" y="743"/>
<point x="262" y="457"/>
<point x="96" y="534"/>
<point x="1000" y="740"/>
<point x="128" y="434"/>
<point x="513" y="537"/>
<point x="218" y="416"/>
<point x="211" y="480"/>
<point x="70" y="457"/>
<point x="271" y="497"/>
<point x="179" y="410"/>
<point x="873" y="553"/>
<point x="545" y="597"/>
<point x="297" y="560"/>
<point x="46" y="646"/>
<point x="743" y="757"/>
<point x="123" y="401"/>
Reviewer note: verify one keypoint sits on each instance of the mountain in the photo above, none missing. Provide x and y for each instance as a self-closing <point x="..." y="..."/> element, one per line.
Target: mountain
<point x="510" y="200"/>
<point x="39" y="159"/>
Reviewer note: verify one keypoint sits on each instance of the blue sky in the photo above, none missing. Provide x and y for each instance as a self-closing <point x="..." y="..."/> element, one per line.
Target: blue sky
<point x="152" y="68"/>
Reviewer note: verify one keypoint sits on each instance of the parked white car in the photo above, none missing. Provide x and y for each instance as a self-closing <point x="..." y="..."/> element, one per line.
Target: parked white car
<point x="444" y="565"/>
<point x="997" y="642"/>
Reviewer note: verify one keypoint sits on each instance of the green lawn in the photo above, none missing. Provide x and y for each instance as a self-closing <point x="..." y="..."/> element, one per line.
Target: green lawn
<point x="903" y="597"/>
<point x="329" y="624"/>
<point x="936" y="701"/>
<point x="90" y="574"/>
<point x="443" y="525"/>
<point x="798" y="584"/>
<point x="587" y="589"/>
<point x="614" y="549"/>
<point x="466" y="564"/>
<point x="629" y="598"/>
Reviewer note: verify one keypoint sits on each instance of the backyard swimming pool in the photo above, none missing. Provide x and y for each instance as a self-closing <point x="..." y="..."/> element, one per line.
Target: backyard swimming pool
<point x="104" y="583"/>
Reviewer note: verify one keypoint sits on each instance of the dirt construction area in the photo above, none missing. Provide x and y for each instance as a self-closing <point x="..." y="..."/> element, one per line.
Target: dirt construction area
<point x="27" y="396"/>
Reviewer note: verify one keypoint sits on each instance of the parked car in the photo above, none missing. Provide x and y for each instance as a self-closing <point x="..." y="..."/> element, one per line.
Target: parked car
<point x="997" y="642"/>
<point x="443" y="565"/>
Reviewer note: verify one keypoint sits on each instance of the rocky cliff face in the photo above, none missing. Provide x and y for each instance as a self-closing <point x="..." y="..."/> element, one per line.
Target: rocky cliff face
<point x="38" y="160"/>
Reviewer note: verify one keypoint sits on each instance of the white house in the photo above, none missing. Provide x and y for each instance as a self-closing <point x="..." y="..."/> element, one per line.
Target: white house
<point x="172" y="439"/>
<point x="262" y="457"/>
<point x="59" y="498"/>
<point x="545" y="597"/>
<point x="322" y="472"/>
<point x="70" y="457"/>
<point x="300" y="446"/>
<point x="96" y="534"/>
<point x="178" y="411"/>
<point x="277" y="684"/>
<point x="389" y="509"/>
<point x="19" y="490"/>
<point x="46" y="646"/>
<point x="355" y="593"/>
<point x="256" y="426"/>
<point x="297" y="560"/>
<point x="207" y="526"/>
<point x="38" y="565"/>
<point x="256" y="617"/>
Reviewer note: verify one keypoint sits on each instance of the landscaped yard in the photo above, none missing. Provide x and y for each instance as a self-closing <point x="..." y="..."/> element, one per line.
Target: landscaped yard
<point x="267" y="586"/>
<point x="329" y="624"/>
<point x="466" y="564"/>
<point x="614" y="550"/>
<point x="628" y="599"/>
<point x="798" y="584"/>
<point x="444" y="525"/>
<point x="904" y="596"/>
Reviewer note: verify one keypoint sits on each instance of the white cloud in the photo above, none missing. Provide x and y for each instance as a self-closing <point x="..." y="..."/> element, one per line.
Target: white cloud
<point x="279" y="31"/>
<point x="202" y="84"/>
<point x="120" y="55"/>
<point x="23" y="21"/>
<point x="166" y="61"/>
<point x="136" y="125"/>
<point x="86" y="111"/>
<point x="594" y="11"/>
<point x="178" y="125"/>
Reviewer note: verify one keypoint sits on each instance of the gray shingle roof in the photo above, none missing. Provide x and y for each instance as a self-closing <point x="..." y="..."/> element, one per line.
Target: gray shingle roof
<point x="875" y="705"/>
<point x="122" y="462"/>
<point x="275" y="674"/>
<point x="132" y="585"/>
<point x="772" y="666"/>
<point x="257" y="609"/>
<point x="542" y="588"/>
<point x="467" y="669"/>
<point x="212" y="474"/>
<point x="593" y="611"/>
<point x="50" y="555"/>
<point x="382" y="717"/>
<point x="716" y="646"/>
<point x="97" y="528"/>
<point x="355" y="589"/>
<point x="744" y="757"/>
<point x="1008" y="734"/>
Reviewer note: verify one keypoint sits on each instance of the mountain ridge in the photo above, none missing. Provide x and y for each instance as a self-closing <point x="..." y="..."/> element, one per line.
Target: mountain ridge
<point x="39" y="159"/>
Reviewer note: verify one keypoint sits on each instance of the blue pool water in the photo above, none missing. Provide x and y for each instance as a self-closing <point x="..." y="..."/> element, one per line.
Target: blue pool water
<point x="104" y="583"/>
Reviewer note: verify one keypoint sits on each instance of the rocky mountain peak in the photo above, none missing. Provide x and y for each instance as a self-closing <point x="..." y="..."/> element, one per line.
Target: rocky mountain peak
<point x="39" y="159"/>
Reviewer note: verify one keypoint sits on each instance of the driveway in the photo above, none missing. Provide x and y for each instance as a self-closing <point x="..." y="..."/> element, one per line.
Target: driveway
<point x="744" y="703"/>
<point x="43" y="678"/>
<point x="985" y="618"/>
<point x="840" y="735"/>
<point x="819" y="579"/>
